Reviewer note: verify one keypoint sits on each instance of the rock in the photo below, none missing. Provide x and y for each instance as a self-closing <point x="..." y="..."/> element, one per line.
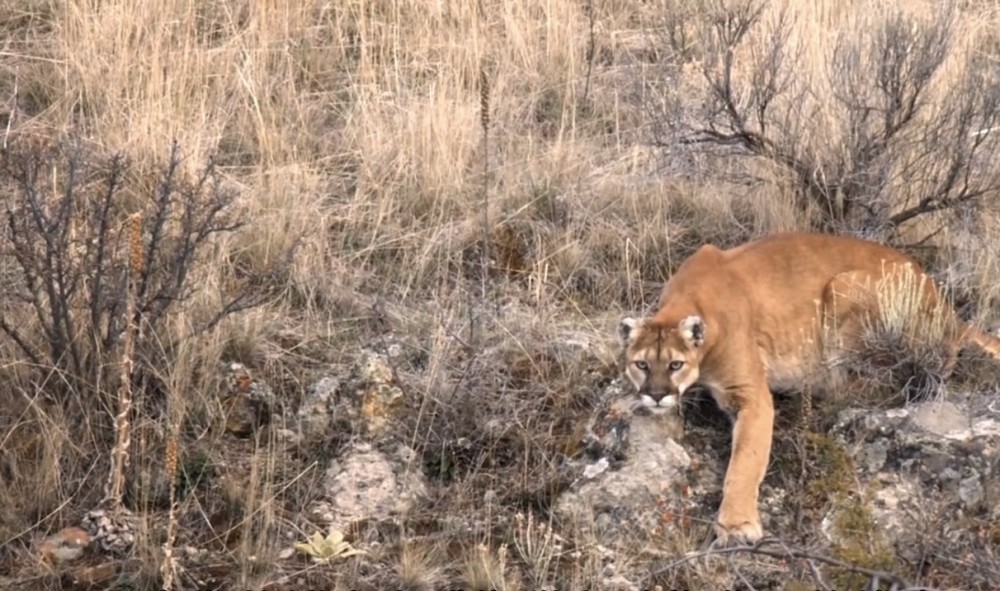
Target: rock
<point x="596" y="469"/>
<point x="932" y="458"/>
<point x="938" y="418"/>
<point x="113" y="531"/>
<point x="926" y="459"/>
<point x="875" y="455"/>
<point x="246" y="401"/>
<point x="639" y="464"/>
<point x="379" y="406"/>
<point x="367" y="484"/>
<point x="368" y="397"/>
<point x="316" y="413"/>
<point x="374" y="384"/>
<point x="970" y="491"/>
<point x="363" y="483"/>
<point x="372" y="368"/>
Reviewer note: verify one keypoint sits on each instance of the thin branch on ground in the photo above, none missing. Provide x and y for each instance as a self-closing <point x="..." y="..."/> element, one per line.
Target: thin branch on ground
<point x="785" y="551"/>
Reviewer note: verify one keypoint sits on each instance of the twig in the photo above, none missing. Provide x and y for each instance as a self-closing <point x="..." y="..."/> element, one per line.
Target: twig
<point x="789" y="552"/>
<point x="591" y="47"/>
<point x="13" y="107"/>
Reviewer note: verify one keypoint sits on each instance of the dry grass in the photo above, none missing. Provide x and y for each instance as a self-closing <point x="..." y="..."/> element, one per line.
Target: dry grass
<point x="353" y="133"/>
<point x="905" y="346"/>
<point x="418" y="568"/>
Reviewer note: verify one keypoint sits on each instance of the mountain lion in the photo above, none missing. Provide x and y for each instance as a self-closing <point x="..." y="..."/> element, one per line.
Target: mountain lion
<point x="762" y="316"/>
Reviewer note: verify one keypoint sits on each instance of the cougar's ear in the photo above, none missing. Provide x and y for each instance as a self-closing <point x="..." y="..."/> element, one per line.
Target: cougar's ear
<point x="692" y="329"/>
<point x="627" y="328"/>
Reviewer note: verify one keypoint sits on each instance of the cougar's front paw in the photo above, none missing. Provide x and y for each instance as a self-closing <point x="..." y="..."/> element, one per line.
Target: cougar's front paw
<point x="733" y="530"/>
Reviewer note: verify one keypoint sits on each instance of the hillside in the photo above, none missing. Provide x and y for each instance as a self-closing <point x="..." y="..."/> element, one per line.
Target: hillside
<point x="274" y="268"/>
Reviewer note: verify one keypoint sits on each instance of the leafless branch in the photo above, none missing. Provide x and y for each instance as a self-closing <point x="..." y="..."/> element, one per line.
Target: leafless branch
<point x="775" y="548"/>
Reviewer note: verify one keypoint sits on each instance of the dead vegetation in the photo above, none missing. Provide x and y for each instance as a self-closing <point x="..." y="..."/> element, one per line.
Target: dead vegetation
<point x="487" y="186"/>
<point x="881" y="129"/>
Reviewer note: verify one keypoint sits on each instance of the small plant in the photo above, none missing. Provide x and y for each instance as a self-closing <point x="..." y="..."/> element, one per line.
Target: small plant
<point x="537" y="545"/>
<point x="831" y="470"/>
<point x="484" y="570"/>
<point x="859" y="541"/>
<point x="325" y="549"/>
<point x="417" y="569"/>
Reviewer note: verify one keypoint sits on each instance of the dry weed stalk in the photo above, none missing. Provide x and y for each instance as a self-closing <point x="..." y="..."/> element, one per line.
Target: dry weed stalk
<point x="119" y="454"/>
<point x="484" y="122"/>
<point x="591" y="13"/>
<point x="12" y="115"/>
<point x="169" y="566"/>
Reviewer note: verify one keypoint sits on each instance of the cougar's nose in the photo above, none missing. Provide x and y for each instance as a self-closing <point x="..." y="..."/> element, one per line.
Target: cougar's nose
<point x="657" y="396"/>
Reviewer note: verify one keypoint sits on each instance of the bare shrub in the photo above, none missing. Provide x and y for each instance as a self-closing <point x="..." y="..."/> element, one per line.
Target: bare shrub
<point x="70" y="251"/>
<point x="898" y="120"/>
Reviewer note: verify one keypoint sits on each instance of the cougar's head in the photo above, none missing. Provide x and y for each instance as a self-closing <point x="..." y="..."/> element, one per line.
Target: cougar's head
<point x="662" y="360"/>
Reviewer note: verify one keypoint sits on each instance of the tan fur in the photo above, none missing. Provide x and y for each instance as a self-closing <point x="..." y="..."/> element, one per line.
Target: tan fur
<point x="760" y="316"/>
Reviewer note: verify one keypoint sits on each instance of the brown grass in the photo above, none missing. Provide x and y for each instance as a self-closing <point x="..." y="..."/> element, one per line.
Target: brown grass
<point x="352" y="130"/>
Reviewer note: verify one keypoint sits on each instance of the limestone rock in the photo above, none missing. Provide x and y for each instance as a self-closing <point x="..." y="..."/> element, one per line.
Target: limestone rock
<point x="316" y="413"/>
<point x="375" y="385"/>
<point x="932" y="459"/>
<point x="368" y="397"/>
<point x="635" y="467"/>
<point x="367" y="484"/>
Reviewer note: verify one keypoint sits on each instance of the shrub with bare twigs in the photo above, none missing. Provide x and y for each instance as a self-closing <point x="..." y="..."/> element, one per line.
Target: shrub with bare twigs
<point x="899" y="121"/>
<point x="69" y="248"/>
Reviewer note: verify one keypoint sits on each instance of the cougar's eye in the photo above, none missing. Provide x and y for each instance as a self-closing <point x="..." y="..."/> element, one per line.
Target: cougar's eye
<point x="675" y="365"/>
<point x="642" y="365"/>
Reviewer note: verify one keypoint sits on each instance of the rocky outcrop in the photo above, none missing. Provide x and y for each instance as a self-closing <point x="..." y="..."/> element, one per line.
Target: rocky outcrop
<point x="897" y="471"/>
<point x="934" y="460"/>
<point x="365" y="482"/>
<point x="368" y="397"/>
<point x="634" y="464"/>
